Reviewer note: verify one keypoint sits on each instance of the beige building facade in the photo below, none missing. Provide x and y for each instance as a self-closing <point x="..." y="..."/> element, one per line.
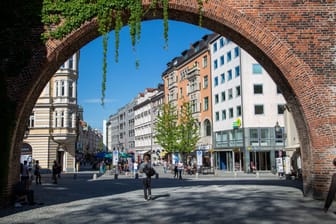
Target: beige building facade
<point x="53" y="123"/>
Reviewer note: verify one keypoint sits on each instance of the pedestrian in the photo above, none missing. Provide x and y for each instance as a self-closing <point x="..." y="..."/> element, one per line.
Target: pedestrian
<point x="180" y="169"/>
<point x="332" y="190"/>
<point x="175" y="171"/>
<point x="25" y="174"/>
<point x="59" y="170"/>
<point x="55" y="171"/>
<point x="146" y="179"/>
<point x="165" y="166"/>
<point x="37" y="172"/>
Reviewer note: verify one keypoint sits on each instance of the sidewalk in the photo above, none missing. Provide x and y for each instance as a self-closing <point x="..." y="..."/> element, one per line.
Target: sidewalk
<point x="207" y="199"/>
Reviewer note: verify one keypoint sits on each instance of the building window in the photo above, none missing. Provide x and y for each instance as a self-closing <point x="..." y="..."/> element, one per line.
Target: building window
<point x="215" y="64"/>
<point x="222" y="60"/>
<point x="215" y="47"/>
<point x="281" y="109"/>
<point x="70" y="119"/>
<point x="237" y="91"/>
<point x="194" y="106"/>
<point x="256" y="69"/>
<point x="223" y="114"/>
<point x="32" y="120"/>
<point x="237" y="71"/>
<point x="254" y="137"/>
<point x="230" y="94"/>
<point x="258" y="109"/>
<point x="71" y="63"/>
<point x="236" y="52"/>
<point x="62" y="88"/>
<point x="217" y="116"/>
<point x="230" y="74"/>
<point x="216" y="98"/>
<point x="258" y="89"/>
<point x="205" y="82"/>
<point x="228" y="56"/>
<point x="71" y="88"/>
<point x="216" y="81"/>
<point x="239" y="112"/>
<point x="206" y="103"/>
<point x="221" y="42"/>
<point x="223" y="96"/>
<point x="56" y="88"/>
<point x="62" y="119"/>
<point x="222" y="78"/>
<point x="230" y="112"/>
<point x="205" y="61"/>
<point x="207" y="127"/>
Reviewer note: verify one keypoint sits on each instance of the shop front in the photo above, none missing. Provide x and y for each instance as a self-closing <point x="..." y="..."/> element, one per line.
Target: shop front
<point x="230" y="160"/>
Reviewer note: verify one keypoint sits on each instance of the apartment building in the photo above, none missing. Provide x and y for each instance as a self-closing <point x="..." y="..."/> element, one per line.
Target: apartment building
<point x="145" y="116"/>
<point x="53" y="122"/>
<point x="188" y="79"/>
<point x="120" y="129"/>
<point x="248" y="111"/>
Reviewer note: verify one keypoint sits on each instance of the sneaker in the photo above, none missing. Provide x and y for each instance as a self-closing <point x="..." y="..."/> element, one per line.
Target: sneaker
<point x="150" y="197"/>
<point x="146" y="199"/>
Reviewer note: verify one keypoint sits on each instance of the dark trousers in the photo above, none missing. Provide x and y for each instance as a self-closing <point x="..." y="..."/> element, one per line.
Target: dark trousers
<point x="180" y="174"/>
<point x="147" y="187"/>
<point x="38" y="178"/>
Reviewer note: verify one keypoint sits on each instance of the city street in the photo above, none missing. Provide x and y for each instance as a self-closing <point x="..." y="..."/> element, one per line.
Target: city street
<point x="204" y="199"/>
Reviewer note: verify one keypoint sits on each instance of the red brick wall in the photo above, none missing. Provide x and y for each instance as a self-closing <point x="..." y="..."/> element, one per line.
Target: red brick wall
<point x="294" y="40"/>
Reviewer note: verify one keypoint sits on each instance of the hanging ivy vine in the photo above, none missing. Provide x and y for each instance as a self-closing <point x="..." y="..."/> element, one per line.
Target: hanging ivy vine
<point x="61" y="17"/>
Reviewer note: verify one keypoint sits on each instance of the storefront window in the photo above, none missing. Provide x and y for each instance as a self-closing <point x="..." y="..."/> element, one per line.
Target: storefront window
<point x="254" y="140"/>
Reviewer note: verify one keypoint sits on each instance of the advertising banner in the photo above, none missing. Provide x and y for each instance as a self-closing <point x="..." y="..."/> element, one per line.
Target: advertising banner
<point x="199" y="155"/>
<point x="115" y="157"/>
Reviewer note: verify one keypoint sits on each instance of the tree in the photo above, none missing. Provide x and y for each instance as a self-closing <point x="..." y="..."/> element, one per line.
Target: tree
<point x="166" y="128"/>
<point x="188" y="131"/>
<point x="177" y="133"/>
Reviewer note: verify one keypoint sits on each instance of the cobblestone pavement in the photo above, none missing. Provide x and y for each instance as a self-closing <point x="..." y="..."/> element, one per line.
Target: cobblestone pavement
<point x="204" y="199"/>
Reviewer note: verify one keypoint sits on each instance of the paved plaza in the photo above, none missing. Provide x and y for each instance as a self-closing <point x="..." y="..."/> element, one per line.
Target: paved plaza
<point x="206" y="199"/>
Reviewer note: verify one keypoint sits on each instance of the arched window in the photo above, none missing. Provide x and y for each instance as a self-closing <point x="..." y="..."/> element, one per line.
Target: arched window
<point x="207" y="128"/>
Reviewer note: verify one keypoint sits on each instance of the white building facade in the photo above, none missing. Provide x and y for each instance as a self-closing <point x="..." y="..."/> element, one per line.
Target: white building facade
<point x="246" y="107"/>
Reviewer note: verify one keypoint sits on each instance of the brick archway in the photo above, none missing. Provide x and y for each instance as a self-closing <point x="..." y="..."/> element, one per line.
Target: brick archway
<point x="296" y="54"/>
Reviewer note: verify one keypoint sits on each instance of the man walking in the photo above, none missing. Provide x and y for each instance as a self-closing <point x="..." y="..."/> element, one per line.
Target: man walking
<point x="146" y="176"/>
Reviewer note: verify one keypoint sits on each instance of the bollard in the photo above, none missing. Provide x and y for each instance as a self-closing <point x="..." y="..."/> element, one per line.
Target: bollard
<point x="156" y="176"/>
<point x="136" y="176"/>
<point x="115" y="176"/>
<point x="94" y="176"/>
<point x="258" y="175"/>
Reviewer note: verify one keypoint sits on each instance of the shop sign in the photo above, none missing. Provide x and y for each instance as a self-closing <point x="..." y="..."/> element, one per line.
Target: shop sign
<point x="236" y="123"/>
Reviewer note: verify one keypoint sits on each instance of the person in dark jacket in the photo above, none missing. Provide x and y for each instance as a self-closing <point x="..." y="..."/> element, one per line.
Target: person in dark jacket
<point x="146" y="179"/>
<point x="332" y="190"/>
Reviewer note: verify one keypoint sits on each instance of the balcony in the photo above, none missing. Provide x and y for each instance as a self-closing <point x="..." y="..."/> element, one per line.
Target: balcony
<point x="63" y="135"/>
<point x="193" y="72"/>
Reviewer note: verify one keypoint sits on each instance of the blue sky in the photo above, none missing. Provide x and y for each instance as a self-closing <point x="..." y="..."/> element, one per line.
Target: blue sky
<point x="124" y="80"/>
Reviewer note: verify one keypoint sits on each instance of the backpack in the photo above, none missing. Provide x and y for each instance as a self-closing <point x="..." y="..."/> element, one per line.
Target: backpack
<point x="149" y="171"/>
